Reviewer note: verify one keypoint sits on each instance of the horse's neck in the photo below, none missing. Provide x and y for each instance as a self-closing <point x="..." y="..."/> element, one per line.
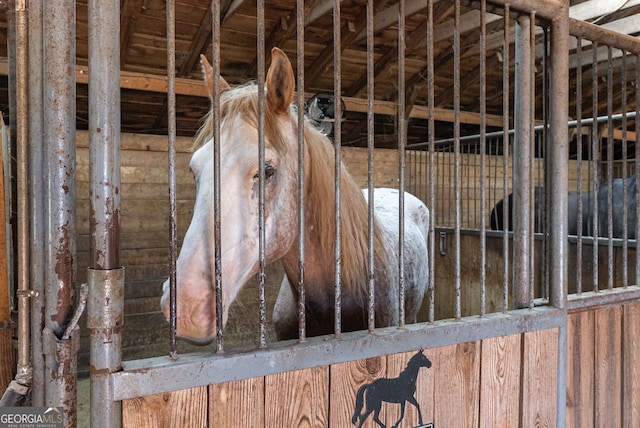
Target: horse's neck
<point x="411" y="372"/>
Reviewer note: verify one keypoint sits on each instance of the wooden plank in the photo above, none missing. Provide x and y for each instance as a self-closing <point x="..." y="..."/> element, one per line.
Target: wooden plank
<point x="457" y="385"/>
<point x="298" y="398"/>
<point x="500" y="381"/>
<point x="631" y="361"/>
<point x="348" y="377"/>
<point x="236" y="404"/>
<point x="185" y="408"/>
<point x="608" y="372"/>
<point x="580" y="369"/>
<point x="540" y="373"/>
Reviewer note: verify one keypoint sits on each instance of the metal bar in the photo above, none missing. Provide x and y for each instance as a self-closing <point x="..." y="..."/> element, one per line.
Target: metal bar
<point x="106" y="276"/>
<point x="337" y="135"/>
<point x="371" y="163"/>
<point x="625" y="195"/>
<point x="505" y="156"/>
<point x="456" y="155"/>
<point x="300" y="15"/>
<point x="594" y="299"/>
<point x="141" y="378"/>
<point x="579" y="215"/>
<point x="547" y="9"/>
<point x="595" y="158"/>
<point x="171" y="137"/>
<point x="609" y="169"/>
<point x="215" y="111"/>
<point x="602" y="35"/>
<point x="532" y="147"/>
<point x="431" y="142"/>
<point x="24" y="371"/>
<point x="637" y="160"/>
<point x="262" y="249"/>
<point x="36" y="201"/>
<point x="402" y="140"/>
<point x="558" y="112"/>
<point x="522" y="248"/>
<point x="483" y="155"/>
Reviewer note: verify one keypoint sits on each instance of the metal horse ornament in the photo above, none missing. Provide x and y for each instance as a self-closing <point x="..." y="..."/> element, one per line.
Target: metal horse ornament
<point x="396" y="390"/>
<point x="239" y="172"/>
<point x="616" y="200"/>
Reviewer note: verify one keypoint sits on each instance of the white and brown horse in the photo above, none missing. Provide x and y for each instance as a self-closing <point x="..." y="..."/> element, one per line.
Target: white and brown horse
<point x="239" y="184"/>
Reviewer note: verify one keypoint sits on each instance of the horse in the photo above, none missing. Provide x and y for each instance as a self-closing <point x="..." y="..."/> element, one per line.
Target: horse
<point x="616" y="201"/>
<point x="239" y="212"/>
<point x="397" y="390"/>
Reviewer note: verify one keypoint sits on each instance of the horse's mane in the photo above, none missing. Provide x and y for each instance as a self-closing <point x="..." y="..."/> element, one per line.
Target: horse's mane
<point x="243" y="100"/>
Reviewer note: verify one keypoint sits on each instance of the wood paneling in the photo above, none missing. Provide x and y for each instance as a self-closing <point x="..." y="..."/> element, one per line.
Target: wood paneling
<point x="185" y="408"/>
<point x="608" y="373"/>
<point x="580" y="352"/>
<point x="232" y="402"/>
<point x="539" y="378"/>
<point x="631" y="362"/>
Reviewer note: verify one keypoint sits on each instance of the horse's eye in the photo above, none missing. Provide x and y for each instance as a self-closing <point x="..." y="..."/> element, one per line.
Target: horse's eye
<point x="269" y="172"/>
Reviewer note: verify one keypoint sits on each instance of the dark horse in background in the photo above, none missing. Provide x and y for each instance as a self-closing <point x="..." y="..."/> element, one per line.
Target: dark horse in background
<point x="617" y="205"/>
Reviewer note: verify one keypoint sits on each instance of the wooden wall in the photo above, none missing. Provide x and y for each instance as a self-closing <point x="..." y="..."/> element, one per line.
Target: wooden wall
<point x="504" y="381"/>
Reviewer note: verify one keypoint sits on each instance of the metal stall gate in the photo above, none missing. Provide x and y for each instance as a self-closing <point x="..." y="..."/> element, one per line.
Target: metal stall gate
<point x="497" y="344"/>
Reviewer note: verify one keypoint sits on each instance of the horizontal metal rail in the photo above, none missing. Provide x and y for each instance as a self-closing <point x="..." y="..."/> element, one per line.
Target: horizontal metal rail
<point x="144" y="377"/>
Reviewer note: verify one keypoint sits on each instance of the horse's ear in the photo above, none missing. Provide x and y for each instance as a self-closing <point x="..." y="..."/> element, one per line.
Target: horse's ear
<point x="208" y="77"/>
<point x="280" y="82"/>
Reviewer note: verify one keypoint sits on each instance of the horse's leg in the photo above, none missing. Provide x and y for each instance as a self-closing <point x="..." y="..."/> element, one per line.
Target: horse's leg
<point x="413" y="401"/>
<point x="402" y="403"/>
<point x="376" y="414"/>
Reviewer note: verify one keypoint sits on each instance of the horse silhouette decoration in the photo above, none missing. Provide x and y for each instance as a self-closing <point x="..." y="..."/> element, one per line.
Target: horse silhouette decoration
<point x="240" y="177"/>
<point x="397" y="390"/>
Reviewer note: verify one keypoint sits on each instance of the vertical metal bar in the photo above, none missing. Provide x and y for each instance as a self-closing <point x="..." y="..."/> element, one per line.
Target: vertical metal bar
<point x="24" y="373"/>
<point x="579" y="215"/>
<point x="595" y="154"/>
<point x="610" y="173"/>
<point x="171" y="136"/>
<point x="402" y="135"/>
<point x="370" y="163"/>
<point x="261" y="169"/>
<point x="432" y="149"/>
<point x="505" y="157"/>
<point x="558" y="112"/>
<point x="522" y="164"/>
<point x="558" y="254"/>
<point x="483" y="155"/>
<point x="637" y="161"/>
<point x="36" y="201"/>
<point x="456" y="154"/>
<point x="105" y="275"/>
<point x="532" y="147"/>
<point x="625" y="196"/>
<point x="300" y="15"/>
<point x="337" y="135"/>
<point x="60" y="109"/>
<point x="215" y="112"/>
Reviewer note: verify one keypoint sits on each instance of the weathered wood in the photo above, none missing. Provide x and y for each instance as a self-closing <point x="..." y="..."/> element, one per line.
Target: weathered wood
<point x="352" y="376"/>
<point x="608" y="374"/>
<point x="457" y="376"/>
<point x="580" y="369"/>
<point x="298" y="398"/>
<point x="185" y="408"/>
<point x="500" y="381"/>
<point x="236" y="404"/>
<point x="539" y="378"/>
<point x="7" y="362"/>
<point x="631" y="366"/>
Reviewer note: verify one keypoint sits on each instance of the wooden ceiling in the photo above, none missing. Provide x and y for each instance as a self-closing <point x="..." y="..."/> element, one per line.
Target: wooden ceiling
<point x="143" y="59"/>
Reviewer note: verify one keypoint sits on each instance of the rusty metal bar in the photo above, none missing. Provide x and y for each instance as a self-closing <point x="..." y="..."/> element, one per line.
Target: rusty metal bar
<point x="595" y="158"/>
<point x="302" y="323"/>
<point x="370" y="163"/>
<point x="625" y="195"/>
<point x="547" y="9"/>
<point x="402" y="137"/>
<point x="431" y="141"/>
<point x="262" y="262"/>
<point x="579" y="214"/>
<point x="609" y="167"/>
<point x="215" y="112"/>
<point x="532" y="147"/>
<point x="483" y="156"/>
<point x="337" y="135"/>
<point x="456" y="156"/>
<point x="171" y="137"/>
<point x="522" y="237"/>
<point x="505" y="156"/>
<point x="105" y="274"/>
<point x="36" y="201"/>
<point x="603" y="35"/>
<point x="59" y="123"/>
<point x="637" y="160"/>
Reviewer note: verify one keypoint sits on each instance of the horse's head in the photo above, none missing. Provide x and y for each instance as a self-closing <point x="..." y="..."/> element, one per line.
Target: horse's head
<point x="419" y="360"/>
<point x="239" y="190"/>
